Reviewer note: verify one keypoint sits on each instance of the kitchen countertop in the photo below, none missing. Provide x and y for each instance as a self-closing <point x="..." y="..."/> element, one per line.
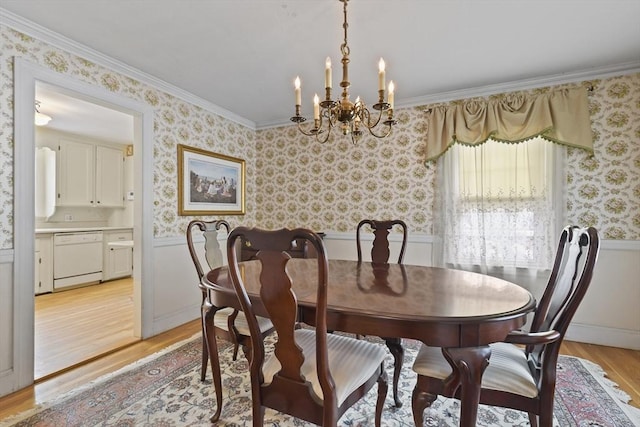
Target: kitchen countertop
<point x="78" y="229"/>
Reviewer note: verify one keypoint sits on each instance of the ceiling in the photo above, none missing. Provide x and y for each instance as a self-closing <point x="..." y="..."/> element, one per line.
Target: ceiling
<point x="243" y="55"/>
<point x="78" y="116"/>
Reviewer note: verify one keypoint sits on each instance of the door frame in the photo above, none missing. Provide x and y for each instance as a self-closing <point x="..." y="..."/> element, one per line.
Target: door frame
<point x="26" y="75"/>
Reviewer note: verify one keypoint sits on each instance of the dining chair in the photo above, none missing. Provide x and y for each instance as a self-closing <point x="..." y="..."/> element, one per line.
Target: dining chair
<point x="380" y="254"/>
<point x="311" y="374"/>
<point x="521" y="371"/>
<point x="380" y="251"/>
<point x="228" y="323"/>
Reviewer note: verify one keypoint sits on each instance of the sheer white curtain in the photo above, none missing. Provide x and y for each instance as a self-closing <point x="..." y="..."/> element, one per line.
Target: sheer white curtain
<point x="501" y="205"/>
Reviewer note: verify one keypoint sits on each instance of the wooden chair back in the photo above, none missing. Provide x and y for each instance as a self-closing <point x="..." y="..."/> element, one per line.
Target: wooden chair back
<point x="212" y="255"/>
<point x="569" y="280"/>
<point x="380" y="251"/>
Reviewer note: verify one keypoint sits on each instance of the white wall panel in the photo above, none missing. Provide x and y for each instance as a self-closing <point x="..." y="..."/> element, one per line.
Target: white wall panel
<point x="176" y="294"/>
<point x="6" y="321"/>
<point x="610" y="307"/>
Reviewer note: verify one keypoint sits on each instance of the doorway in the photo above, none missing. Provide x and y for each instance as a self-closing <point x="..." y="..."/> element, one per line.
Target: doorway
<point x="90" y="315"/>
<point x="27" y="75"/>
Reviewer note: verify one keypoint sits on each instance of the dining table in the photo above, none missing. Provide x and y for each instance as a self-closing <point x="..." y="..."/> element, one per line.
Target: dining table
<point x="462" y="312"/>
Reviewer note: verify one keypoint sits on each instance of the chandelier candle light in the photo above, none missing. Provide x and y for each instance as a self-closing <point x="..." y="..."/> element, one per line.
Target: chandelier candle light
<point x="352" y="117"/>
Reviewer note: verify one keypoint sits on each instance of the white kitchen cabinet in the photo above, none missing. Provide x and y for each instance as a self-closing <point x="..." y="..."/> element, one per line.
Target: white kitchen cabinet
<point x="90" y="175"/>
<point x="43" y="264"/>
<point x="118" y="254"/>
<point x="109" y="176"/>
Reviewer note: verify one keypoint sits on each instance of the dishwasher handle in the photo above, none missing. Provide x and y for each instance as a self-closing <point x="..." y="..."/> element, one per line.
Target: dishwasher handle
<point x="77" y="238"/>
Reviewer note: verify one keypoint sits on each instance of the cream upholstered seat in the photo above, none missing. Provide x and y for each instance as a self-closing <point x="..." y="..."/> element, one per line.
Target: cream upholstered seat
<point x="508" y="369"/>
<point x="221" y="320"/>
<point x="351" y="362"/>
<point x="521" y="372"/>
<point x="311" y="375"/>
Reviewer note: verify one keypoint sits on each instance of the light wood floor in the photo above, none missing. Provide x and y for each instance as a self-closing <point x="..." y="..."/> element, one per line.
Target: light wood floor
<point x="76" y="325"/>
<point x="621" y="366"/>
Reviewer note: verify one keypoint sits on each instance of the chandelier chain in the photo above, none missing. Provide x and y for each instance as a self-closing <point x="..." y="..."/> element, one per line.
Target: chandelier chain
<point x="344" y="48"/>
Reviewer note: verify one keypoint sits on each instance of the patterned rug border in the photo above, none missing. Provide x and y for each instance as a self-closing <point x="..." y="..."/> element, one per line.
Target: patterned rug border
<point x="611" y="387"/>
<point x="617" y="396"/>
<point x="12" y="419"/>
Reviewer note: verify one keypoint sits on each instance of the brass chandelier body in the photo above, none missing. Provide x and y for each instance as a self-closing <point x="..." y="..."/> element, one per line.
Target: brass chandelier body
<point x="351" y="117"/>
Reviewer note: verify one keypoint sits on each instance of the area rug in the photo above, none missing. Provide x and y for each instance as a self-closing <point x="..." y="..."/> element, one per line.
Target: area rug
<point x="165" y="390"/>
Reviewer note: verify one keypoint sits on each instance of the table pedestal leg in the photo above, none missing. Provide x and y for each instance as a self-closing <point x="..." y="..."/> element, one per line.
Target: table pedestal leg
<point x="469" y="363"/>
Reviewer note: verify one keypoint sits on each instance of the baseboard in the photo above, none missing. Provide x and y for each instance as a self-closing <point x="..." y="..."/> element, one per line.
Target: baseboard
<point x="601" y="335"/>
<point x="175" y="319"/>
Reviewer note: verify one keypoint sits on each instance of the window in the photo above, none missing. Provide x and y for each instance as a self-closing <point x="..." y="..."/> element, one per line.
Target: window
<point x="502" y="204"/>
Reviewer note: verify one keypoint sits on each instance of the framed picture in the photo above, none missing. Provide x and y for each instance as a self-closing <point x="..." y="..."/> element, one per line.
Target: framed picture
<point x="209" y="183"/>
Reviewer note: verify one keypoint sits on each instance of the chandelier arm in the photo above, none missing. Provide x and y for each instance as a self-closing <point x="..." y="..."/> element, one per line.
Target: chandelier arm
<point x="384" y="135"/>
<point x="318" y="129"/>
<point x="326" y="137"/>
<point x="368" y="123"/>
<point x="311" y="132"/>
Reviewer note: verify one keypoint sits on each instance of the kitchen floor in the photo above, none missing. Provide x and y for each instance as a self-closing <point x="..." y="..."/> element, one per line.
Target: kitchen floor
<point x="77" y="325"/>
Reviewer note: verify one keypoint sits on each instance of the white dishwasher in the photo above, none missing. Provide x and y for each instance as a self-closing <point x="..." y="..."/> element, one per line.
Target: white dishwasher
<point x="77" y="258"/>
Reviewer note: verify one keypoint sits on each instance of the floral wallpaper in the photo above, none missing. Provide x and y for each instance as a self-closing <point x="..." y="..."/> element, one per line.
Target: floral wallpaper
<point x="604" y="189"/>
<point x="332" y="186"/>
<point x="176" y="122"/>
<point x="293" y="180"/>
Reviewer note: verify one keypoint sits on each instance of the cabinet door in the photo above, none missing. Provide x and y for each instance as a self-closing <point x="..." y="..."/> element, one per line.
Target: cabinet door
<point x="120" y="262"/>
<point x="109" y="177"/>
<point x="43" y="263"/>
<point x="76" y="172"/>
<point x="118" y="258"/>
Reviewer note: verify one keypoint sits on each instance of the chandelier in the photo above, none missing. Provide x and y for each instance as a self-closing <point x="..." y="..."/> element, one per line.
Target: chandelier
<point x="351" y="117"/>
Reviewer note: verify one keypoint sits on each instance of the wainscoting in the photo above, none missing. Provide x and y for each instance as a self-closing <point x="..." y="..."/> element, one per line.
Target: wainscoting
<point x="608" y="315"/>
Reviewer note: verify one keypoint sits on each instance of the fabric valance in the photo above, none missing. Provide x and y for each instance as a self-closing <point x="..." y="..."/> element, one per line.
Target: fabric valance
<point x="560" y="116"/>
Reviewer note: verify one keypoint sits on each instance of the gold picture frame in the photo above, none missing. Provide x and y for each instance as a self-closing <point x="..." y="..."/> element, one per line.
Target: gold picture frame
<point x="209" y="183"/>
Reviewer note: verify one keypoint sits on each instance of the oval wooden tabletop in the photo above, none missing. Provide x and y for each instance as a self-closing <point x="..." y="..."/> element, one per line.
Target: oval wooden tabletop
<point x="401" y="292"/>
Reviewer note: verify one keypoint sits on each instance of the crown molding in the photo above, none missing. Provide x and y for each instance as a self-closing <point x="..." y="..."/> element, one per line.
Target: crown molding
<point x="41" y="33"/>
<point x="526" y="84"/>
